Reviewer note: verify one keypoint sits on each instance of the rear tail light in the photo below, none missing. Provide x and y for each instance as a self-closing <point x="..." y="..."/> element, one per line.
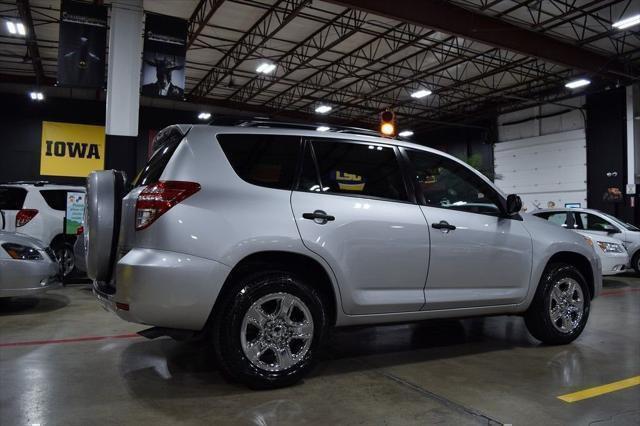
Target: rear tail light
<point x="158" y="198"/>
<point x="80" y="230"/>
<point x="24" y="216"/>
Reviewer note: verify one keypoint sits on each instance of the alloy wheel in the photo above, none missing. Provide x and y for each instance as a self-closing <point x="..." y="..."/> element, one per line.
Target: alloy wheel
<point x="566" y="307"/>
<point x="277" y="331"/>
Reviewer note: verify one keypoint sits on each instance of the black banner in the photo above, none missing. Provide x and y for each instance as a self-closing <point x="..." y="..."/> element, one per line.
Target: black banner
<point x="83" y="40"/>
<point x="163" y="60"/>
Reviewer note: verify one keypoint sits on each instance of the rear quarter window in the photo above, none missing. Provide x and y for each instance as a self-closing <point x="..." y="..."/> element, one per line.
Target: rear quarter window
<point x="165" y="144"/>
<point x="55" y="198"/>
<point x="263" y="160"/>
<point x="12" y="198"/>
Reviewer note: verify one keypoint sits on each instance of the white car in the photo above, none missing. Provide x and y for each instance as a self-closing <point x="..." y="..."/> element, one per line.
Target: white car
<point x="611" y="251"/>
<point x="38" y="209"/>
<point x="263" y="239"/>
<point x="26" y="266"/>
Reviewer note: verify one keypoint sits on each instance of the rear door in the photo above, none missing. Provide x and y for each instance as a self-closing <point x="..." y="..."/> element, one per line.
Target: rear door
<point x="353" y="209"/>
<point x="11" y="201"/>
<point x="478" y="256"/>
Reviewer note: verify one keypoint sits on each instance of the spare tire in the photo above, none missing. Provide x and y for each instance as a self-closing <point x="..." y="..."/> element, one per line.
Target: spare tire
<point x="105" y="190"/>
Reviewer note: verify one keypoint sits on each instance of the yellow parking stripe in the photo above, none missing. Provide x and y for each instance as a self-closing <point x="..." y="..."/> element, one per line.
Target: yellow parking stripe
<point x="600" y="390"/>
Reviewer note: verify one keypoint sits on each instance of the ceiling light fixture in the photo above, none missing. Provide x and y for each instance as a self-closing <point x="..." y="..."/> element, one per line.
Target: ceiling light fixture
<point x="11" y="27"/>
<point x="577" y="83"/>
<point x="36" y="96"/>
<point x="421" y="93"/>
<point x="323" y="109"/>
<point x="323" y="128"/>
<point x="405" y="133"/>
<point x="627" y="22"/>
<point x="266" y="68"/>
<point x="21" y="30"/>
<point x="204" y="115"/>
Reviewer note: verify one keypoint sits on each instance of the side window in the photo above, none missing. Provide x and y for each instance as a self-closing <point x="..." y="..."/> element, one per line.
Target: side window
<point x="559" y="218"/>
<point x="591" y="222"/>
<point x="448" y="184"/>
<point x="353" y="169"/>
<point x="264" y="160"/>
<point x="55" y="198"/>
<point x="165" y="144"/>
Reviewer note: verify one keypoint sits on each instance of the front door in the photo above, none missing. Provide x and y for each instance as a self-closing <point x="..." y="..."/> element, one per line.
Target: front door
<point x="352" y="208"/>
<point x="478" y="257"/>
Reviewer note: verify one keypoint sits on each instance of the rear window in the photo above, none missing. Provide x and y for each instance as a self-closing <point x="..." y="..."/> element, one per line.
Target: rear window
<point x="264" y="160"/>
<point x="12" y="198"/>
<point x="165" y="144"/>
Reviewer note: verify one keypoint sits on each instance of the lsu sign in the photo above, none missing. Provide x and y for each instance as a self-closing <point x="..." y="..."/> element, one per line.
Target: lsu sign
<point x="71" y="149"/>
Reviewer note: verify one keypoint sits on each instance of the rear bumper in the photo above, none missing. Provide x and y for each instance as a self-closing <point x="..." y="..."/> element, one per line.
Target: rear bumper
<point x="164" y="289"/>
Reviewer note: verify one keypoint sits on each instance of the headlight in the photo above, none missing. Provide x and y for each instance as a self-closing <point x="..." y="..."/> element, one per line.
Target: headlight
<point x="18" y="251"/>
<point x="610" y="247"/>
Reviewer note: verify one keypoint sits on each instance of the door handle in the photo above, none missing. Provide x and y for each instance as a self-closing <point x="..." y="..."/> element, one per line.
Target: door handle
<point x="319" y="216"/>
<point x="443" y="225"/>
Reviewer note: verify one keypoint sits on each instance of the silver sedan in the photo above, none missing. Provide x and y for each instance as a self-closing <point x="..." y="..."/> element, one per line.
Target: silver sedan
<point x="27" y="266"/>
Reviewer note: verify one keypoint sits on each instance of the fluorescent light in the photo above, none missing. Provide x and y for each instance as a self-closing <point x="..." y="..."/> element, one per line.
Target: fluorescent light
<point x="266" y="68"/>
<point x="627" y="22"/>
<point x="405" y="133"/>
<point x="323" y="128"/>
<point x="36" y="96"/>
<point x="11" y="27"/>
<point x="21" y="30"/>
<point x="204" y="115"/>
<point x="323" y="109"/>
<point x="421" y="93"/>
<point x="577" y="83"/>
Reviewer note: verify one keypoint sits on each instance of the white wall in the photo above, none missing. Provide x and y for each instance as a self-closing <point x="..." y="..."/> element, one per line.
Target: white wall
<point x="543" y="159"/>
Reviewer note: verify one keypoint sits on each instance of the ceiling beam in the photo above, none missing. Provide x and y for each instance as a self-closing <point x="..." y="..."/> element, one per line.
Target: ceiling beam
<point x="31" y="40"/>
<point x="451" y="19"/>
<point x="200" y="18"/>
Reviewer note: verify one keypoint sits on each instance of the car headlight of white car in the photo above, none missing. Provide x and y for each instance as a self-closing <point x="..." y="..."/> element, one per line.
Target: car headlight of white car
<point x="20" y="252"/>
<point x="610" y="247"/>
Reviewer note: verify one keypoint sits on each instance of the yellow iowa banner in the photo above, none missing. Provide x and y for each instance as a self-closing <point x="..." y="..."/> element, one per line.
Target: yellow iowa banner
<point x="71" y="149"/>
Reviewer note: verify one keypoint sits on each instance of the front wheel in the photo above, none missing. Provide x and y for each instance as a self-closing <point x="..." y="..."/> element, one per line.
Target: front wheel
<point x="635" y="262"/>
<point x="66" y="258"/>
<point x="560" y="309"/>
<point x="268" y="329"/>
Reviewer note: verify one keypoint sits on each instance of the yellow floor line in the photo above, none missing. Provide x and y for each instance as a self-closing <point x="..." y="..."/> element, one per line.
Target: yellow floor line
<point x="600" y="390"/>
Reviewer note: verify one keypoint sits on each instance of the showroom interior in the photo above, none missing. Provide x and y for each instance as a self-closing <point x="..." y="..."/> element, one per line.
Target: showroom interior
<point x="535" y="98"/>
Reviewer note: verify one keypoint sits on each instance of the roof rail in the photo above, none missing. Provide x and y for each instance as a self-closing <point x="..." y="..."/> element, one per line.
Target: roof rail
<point x="303" y="126"/>
<point x="27" y="182"/>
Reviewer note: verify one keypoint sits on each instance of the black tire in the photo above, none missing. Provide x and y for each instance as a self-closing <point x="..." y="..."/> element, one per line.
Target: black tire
<point x="538" y="317"/>
<point x="228" y="320"/>
<point x="66" y="259"/>
<point x="635" y="262"/>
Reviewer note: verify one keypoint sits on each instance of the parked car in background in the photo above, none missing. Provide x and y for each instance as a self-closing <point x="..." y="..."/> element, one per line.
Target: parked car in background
<point x="38" y="209"/>
<point x="613" y="255"/>
<point x="596" y="223"/>
<point x="263" y="239"/>
<point x="27" y="266"/>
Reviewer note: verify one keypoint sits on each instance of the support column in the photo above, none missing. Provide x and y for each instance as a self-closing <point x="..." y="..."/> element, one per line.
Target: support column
<point x="123" y="85"/>
<point x="633" y="149"/>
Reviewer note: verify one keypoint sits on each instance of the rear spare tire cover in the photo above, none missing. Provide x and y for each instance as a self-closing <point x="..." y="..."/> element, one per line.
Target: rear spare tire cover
<point x="102" y="222"/>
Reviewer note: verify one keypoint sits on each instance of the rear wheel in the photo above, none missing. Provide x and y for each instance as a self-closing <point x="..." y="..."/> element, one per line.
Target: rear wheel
<point x="268" y="329"/>
<point x="560" y="309"/>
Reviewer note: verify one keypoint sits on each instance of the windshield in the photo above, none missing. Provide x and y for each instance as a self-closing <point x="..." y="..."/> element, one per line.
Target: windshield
<point x="625" y="225"/>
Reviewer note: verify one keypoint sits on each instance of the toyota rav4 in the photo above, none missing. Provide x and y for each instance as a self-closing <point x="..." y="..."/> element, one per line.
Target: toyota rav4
<point x="264" y="239"/>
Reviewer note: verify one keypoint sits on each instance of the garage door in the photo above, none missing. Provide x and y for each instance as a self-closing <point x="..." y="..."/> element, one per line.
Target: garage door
<point x="546" y="171"/>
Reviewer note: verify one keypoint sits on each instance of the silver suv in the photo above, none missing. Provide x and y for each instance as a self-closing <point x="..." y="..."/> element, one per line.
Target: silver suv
<point x="263" y="239"/>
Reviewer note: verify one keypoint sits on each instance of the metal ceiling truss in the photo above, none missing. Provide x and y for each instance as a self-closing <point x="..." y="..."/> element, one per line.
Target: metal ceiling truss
<point x="200" y="18"/>
<point x="276" y="18"/>
<point x="31" y="40"/>
<point x="340" y="28"/>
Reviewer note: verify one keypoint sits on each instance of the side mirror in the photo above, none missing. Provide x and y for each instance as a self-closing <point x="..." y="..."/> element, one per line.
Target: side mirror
<point x="514" y="204"/>
<point x="610" y="229"/>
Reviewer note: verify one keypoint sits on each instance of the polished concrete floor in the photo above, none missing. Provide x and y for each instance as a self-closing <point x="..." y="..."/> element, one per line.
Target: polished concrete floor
<point x="64" y="361"/>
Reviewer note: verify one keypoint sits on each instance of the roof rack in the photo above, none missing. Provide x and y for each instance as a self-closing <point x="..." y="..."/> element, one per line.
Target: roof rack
<point x="27" y="182"/>
<point x="302" y="126"/>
